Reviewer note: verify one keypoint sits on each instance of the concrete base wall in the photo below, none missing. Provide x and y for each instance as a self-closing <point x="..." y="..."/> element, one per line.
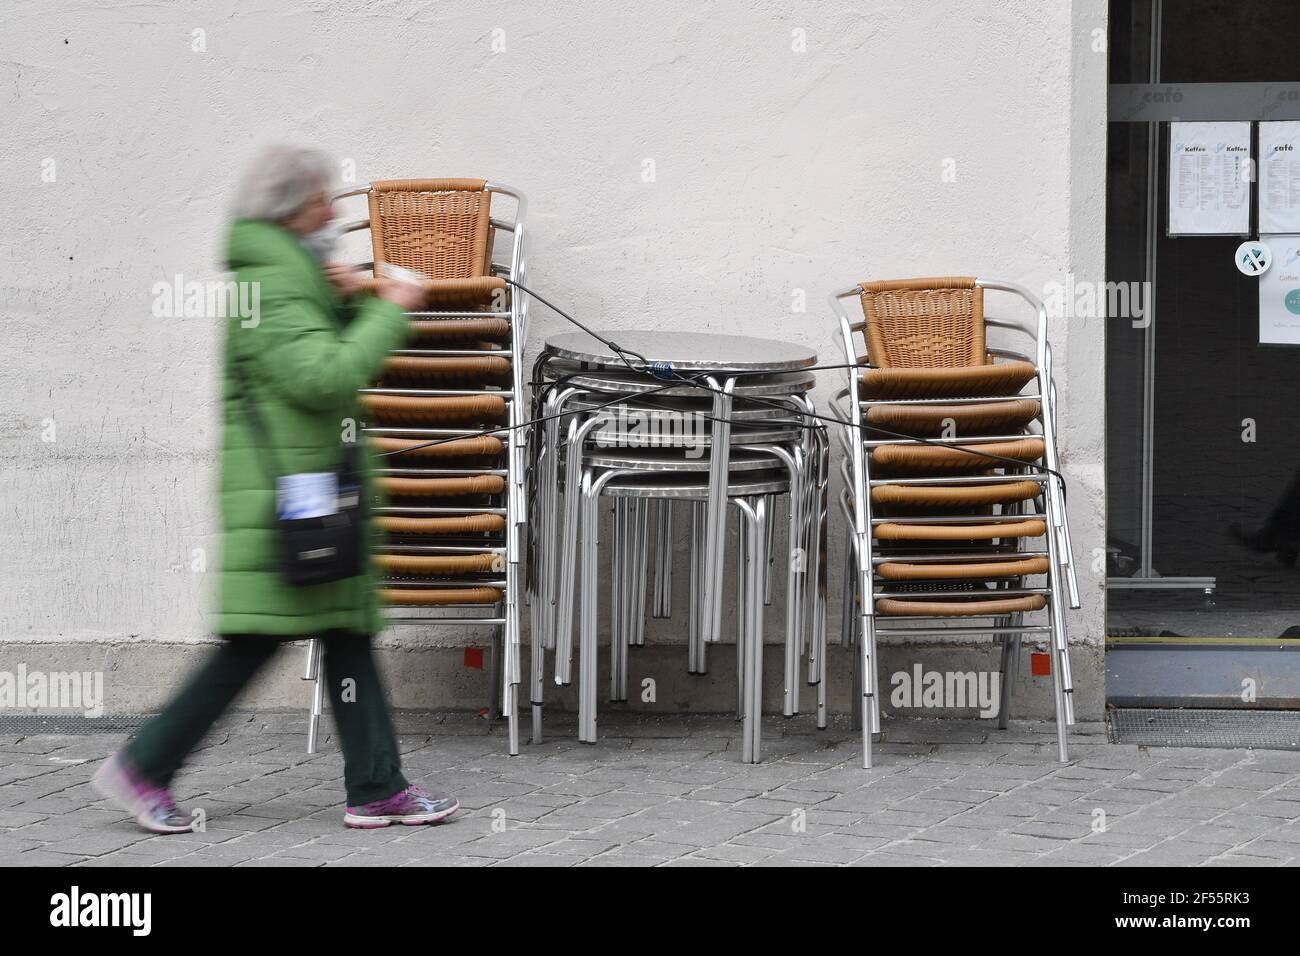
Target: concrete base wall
<point x="138" y="678"/>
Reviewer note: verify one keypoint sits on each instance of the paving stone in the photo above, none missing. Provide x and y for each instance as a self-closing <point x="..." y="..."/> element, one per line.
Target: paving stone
<point x="1270" y="849"/>
<point x="97" y="842"/>
<point x="1083" y="854"/>
<point x="1235" y="860"/>
<point x="893" y="859"/>
<point x="40" y="857"/>
<point x="669" y="790"/>
<point x="19" y="818"/>
<point x="502" y="846"/>
<point x="280" y="861"/>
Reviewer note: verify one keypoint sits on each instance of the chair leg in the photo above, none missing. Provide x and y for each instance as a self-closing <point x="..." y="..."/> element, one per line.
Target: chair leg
<point x="537" y="668"/>
<point x="762" y="522"/>
<point x="796" y="577"/>
<point x="874" y="670"/>
<point x="641" y="559"/>
<point x="496" y="672"/>
<point x="663" y="591"/>
<point x="849" y="587"/>
<point x="314" y="650"/>
<point x="769" y="545"/>
<point x="754" y="527"/>
<point x="867" y="658"/>
<point x="510" y="661"/>
<point x="818" y="607"/>
<point x="719" y="465"/>
<point x="865" y="664"/>
<point x="850" y="624"/>
<point x="540" y="615"/>
<point x="568" y="548"/>
<point x="587" y="662"/>
<point x="620" y="550"/>
<point x="1062" y="685"/>
<point x="550" y="516"/>
<point x="744" y="609"/>
<point x="743" y="598"/>
<point x="697" y="654"/>
<point x="1010" y="668"/>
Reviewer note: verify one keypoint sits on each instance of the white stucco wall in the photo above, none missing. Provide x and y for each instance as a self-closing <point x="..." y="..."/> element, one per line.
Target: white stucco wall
<point x="777" y="174"/>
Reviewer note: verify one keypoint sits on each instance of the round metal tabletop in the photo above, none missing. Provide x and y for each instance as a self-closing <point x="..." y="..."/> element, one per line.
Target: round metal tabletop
<point x="642" y="485"/>
<point x="610" y="435"/>
<point x="667" y="461"/>
<point x="658" y="405"/>
<point x="694" y="351"/>
<point x="758" y="386"/>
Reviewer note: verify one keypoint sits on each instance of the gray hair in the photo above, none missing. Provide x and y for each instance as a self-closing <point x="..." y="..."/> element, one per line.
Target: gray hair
<point x="280" y="181"/>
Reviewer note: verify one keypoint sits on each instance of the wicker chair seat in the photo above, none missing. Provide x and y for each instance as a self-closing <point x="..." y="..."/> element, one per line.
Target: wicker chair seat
<point x="971" y="607"/>
<point x="439" y="564"/>
<point x="419" y="409"/>
<point x="474" y="370"/>
<point x="967" y="381"/>
<point x="925" y="421"/>
<point x="462" y="330"/>
<point x="959" y="570"/>
<point x="954" y="496"/>
<point x="930" y="459"/>
<point x="463" y="293"/>
<point x="443" y="487"/>
<point x="456" y="524"/>
<point x="472" y="447"/>
<point x="897" y="531"/>
<point x="426" y="597"/>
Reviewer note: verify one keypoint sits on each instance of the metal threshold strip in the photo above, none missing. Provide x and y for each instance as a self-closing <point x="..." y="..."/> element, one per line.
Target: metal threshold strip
<point x="1282" y="643"/>
<point x="27" y="725"/>
<point x="1204" y="727"/>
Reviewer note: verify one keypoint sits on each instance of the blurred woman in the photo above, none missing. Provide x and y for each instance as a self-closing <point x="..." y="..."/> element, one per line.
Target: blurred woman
<point x="289" y="405"/>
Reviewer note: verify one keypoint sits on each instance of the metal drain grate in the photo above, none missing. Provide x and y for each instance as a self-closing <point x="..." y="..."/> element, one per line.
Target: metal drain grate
<point x="28" y="724"/>
<point x="1195" y="727"/>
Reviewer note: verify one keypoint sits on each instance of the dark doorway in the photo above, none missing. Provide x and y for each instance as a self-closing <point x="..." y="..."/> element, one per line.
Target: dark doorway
<point x="1203" y="422"/>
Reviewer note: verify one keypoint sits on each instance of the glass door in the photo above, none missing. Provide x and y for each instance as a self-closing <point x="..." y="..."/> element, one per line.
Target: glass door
<point x="1203" y="421"/>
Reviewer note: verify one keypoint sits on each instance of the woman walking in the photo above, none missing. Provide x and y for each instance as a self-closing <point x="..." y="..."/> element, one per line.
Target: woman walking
<point x="290" y="414"/>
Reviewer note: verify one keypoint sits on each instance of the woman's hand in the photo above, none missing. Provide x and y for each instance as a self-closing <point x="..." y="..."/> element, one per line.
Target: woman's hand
<point x="408" y="295"/>
<point x="347" y="279"/>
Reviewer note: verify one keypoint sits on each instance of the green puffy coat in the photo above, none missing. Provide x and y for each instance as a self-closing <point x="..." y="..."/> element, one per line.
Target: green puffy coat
<point x="305" y="355"/>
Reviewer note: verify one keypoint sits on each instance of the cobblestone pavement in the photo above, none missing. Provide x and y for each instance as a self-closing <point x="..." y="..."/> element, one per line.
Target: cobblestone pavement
<point x="671" y="791"/>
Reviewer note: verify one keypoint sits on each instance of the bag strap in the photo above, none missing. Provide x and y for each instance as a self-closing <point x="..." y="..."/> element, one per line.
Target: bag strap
<point x="349" y="467"/>
<point x="260" y="432"/>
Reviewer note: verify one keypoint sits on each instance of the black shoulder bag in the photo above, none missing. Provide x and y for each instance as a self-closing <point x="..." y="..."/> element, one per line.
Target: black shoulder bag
<point x="327" y="548"/>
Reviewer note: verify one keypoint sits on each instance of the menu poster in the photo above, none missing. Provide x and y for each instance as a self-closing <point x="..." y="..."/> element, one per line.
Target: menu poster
<point x="1209" y="179"/>
<point x="1279" y="294"/>
<point x="1279" y="178"/>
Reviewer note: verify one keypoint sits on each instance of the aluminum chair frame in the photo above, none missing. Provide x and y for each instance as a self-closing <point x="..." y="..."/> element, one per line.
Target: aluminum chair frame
<point x="545" y="548"/>
<point x="504" y="619"/>
<point x="1061" y="574"/>
<point x="750" y="496"/>
<point x="555" y="549"/>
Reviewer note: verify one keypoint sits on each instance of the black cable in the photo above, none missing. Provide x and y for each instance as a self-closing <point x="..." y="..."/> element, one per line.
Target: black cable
<point x="676" y="379"/>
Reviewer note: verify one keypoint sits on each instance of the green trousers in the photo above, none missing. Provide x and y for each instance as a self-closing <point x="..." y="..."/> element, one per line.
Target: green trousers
<point x="372" y="763"/>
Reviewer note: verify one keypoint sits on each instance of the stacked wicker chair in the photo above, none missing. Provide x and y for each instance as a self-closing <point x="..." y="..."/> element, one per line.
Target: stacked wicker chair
<point x="954" y="494"/>
<point x="442" y="417"/>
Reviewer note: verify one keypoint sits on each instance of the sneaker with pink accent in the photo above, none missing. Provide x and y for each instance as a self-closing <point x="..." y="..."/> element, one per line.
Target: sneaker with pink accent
<point x="151" y="805"/>
<point x="411" y="807"/>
